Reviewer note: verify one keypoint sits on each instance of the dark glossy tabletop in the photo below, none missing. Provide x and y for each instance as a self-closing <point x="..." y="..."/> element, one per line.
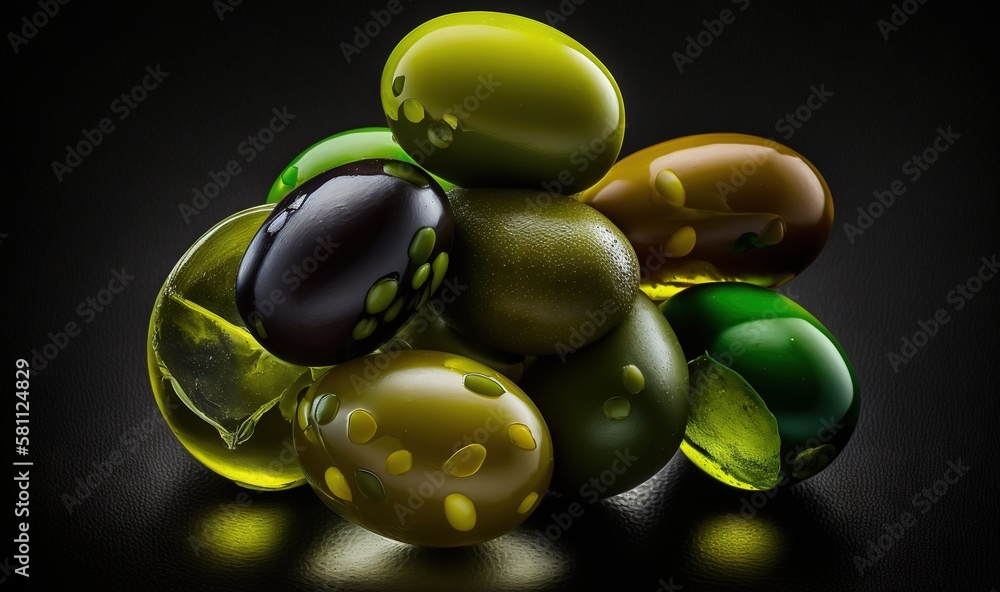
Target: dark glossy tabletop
<point x="885" y="97"/>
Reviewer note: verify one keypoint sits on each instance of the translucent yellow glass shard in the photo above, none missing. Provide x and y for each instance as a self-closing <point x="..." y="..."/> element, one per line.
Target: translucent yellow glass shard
<point x="220" y="372"/>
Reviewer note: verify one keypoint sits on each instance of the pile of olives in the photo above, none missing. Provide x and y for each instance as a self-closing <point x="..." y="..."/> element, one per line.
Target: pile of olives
<point x="437" y="323"/>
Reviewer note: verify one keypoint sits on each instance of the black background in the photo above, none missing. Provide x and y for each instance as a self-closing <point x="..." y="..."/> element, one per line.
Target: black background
<point x="92" y="405"/>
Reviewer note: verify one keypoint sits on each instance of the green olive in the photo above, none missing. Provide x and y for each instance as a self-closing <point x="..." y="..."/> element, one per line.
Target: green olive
<point x="340" y="149"/>
<point x="427" y="448"/>
<point x="616" y="408"/>
<point x="785" y="354"/>
<point x="487" y="99"/>
<point x="538" y="274"/>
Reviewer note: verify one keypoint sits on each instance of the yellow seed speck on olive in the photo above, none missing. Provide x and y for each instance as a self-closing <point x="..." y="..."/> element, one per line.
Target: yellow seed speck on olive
<point x="361" y="426"/>
<point x="337" y="484"/>
<point x="460" y="512"/>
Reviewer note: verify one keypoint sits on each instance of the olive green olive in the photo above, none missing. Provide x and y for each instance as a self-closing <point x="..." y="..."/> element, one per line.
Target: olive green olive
<point x="616" y="408"/>
<point x="487" y="99"/>
<point x="539" y="274"/>
<point x="792" y="361"/>
<point x="427" y="448"/>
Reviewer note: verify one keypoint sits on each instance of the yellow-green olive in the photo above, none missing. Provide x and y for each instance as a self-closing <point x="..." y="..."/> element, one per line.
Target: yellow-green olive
<point x="487" y="99"/>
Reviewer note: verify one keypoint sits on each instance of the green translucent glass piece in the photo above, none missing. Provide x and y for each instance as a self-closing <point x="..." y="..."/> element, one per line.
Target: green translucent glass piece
<point x="730" y="433"/>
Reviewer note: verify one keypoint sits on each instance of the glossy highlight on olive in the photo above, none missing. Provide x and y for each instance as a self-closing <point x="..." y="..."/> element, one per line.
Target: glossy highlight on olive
<point x="717" y="207"/>
<point x="488" y="99"/>
<point x="331" y="273"/>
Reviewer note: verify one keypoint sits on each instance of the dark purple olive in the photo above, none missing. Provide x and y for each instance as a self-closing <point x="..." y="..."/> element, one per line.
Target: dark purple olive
<point x="344" y="261"/>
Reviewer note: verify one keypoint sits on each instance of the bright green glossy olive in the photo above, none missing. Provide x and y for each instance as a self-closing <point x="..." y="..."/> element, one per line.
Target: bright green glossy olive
<point x="427" y="448"/>
<point x="538" y="274"/>
<point x="617" y="407"/>
<point x="340" y="149"/>
<point x="790" y="359"/>
<point x="487" y="99"/>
